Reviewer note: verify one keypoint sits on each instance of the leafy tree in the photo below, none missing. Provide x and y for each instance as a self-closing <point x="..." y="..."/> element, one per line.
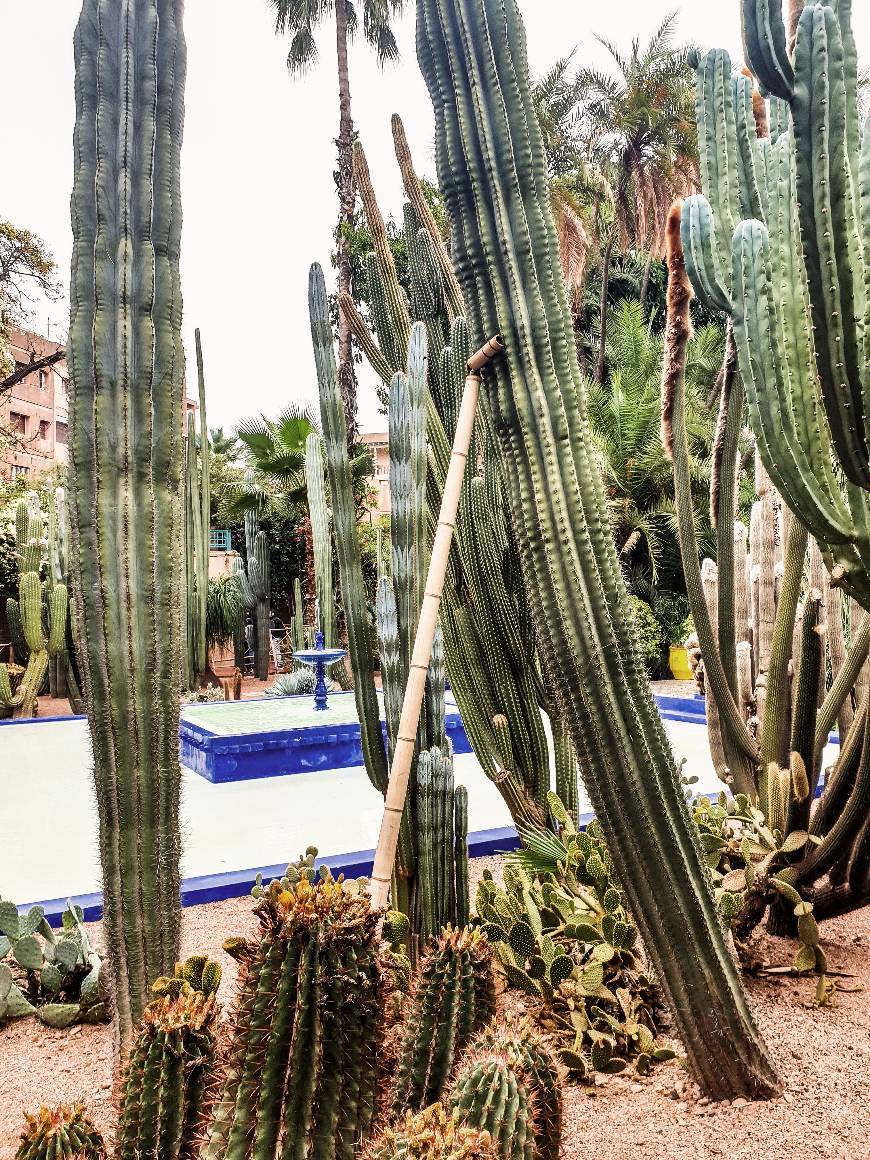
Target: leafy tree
<point x="275" y="449"/>
<point x="299" y="19"/>
<point x="625" y="414"/>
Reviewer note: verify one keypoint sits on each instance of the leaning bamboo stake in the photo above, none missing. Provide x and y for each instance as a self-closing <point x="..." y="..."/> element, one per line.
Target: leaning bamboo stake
<point x="397" y="788"/>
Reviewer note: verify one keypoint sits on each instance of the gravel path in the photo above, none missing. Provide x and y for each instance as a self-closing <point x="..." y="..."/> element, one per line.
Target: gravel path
<point x="824" y="1057"/>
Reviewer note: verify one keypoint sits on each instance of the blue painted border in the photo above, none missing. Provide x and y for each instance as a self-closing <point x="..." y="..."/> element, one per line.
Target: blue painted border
<point x="237" y="883"/>
<point x="40" y="720"/>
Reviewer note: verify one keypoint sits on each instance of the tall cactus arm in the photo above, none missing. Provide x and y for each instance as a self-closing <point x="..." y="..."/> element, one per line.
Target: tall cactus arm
<point x="830" y="226"/>
<point x="320" y="533"/>
<point x="344" y="522"/>
<point x="491" y="169"/>
<point x="126" y="374"/>
<point x="204" y="500"/>
<point x="764" y="41"/>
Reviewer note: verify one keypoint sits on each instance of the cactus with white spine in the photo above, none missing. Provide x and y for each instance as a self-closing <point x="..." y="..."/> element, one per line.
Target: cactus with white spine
<point x="127" y="387"/>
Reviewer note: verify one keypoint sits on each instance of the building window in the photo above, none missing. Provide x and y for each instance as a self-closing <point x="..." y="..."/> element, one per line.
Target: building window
<point x="43" y="428"/>
<point x="19" y="472"/>
<point x="42" y="380"/>
<point x="60" y="433"/>
<point x="18" y="422"/>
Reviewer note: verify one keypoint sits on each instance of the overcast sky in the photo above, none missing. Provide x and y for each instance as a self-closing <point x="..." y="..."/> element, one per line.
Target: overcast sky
<point x="259" y="199"/>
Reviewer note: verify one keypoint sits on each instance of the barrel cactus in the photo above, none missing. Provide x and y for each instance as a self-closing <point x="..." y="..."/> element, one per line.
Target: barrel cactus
<point x="301" y="1062"/>
<point x="62" y="1133"/>
<point x="432" y="1134"/>
<point x="453" y="997"/>
<point x="170" y="1066"/>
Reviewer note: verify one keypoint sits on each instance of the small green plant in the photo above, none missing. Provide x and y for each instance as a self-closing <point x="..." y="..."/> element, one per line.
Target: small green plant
<point x="57" y="977"/>
<point x="62" y="1133"/>
<point x="647" y="632"/>
<point x="561" y="933"/>
<point x="297" y="683"/>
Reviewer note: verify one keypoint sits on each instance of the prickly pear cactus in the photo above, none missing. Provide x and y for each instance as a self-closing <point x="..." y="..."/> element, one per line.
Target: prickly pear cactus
<point x="561" y="933"/>
<point x="62" y="1133"/>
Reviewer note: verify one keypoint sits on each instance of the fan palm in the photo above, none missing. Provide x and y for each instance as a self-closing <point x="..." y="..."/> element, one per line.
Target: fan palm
<point x="299" y="19"/>
<point x="625" y="414"/>
<point x="639" y="123"/>
<point x="275" y="450"/>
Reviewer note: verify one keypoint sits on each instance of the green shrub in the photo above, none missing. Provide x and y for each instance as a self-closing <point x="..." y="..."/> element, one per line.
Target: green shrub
<point x="647" y="631"/>
<point x="671" y="610"/>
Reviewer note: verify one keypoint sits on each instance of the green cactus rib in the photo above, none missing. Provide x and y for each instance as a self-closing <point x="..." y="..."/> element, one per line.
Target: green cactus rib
<point x="126" y="373"/>
<point x="204" y="523"/>
<point x="491" y="169"/>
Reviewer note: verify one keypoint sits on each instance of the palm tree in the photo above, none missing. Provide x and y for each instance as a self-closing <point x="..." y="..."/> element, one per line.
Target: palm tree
<point x="300" y="18"/>
<point x="275" y="450"/>
<point x="625" y="415"/>
<point x="639" y="124"/>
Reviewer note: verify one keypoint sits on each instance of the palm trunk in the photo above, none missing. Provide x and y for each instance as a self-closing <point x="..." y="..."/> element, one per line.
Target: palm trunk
<point x="346" y="201"/>
<point x="602" y="309"/>
<point x="644" y="282"/>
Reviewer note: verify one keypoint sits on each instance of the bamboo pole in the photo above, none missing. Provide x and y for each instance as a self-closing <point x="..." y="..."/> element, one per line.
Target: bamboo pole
<point x="397" y="787"/>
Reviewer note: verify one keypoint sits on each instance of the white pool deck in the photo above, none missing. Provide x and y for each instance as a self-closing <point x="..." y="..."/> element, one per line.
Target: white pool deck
<point x="48" y="847"/>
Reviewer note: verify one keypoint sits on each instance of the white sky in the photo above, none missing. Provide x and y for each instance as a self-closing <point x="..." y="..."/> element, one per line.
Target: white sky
<point x="259" y="199"/>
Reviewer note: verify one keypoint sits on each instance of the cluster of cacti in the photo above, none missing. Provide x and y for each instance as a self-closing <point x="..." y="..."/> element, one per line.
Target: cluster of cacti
<point x="56" y="977"/>
<point x="432" y="1134"/>
<point x="431" y="872"/>
<point x="126" y="366"/>
<point x="170" y="1066"/>
<point x="453" y="998"/>
<point x="62" y="1133"/>
<point x="197" y="533"/>
<point x="777" y="671"/>
<point x="306" y="1030"/>
<point x="560" y="931"/>
<point x="491" y="657"/>
<point x="490" y="164"/>
<point x="39" y="618"/>
<point x="254" y="576"/>
<point x="508" y="1084"/>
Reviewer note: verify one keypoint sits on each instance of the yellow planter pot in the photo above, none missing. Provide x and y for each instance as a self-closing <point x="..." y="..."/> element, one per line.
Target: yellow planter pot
<point x="679" y="663"/>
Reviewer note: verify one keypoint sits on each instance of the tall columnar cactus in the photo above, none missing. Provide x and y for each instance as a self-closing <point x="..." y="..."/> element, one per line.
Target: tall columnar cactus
<point x="431" y="879"/>
<point x="779" y="240"/>
<point x="197" y="531"/>
<point x="301" y="1064"/>
<point x="126" y="373"/>
<point x="491" y="170"/>
<point x="62" y="1133"/>
<point x="34" y="646"/>
<point x="453" y="997"/>
<point x="254" y="578"/>
<point x="170" y="1066"/>
<point x="320" y="534"/>
<point x="491" y="656"/>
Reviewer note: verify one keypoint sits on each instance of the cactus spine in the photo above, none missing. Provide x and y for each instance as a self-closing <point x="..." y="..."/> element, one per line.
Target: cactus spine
<point x="35" y="647"/>
<point x="454" y="997"/>
<point x="490" y="168"/>
<point x="126" y="372"/>
<point x="62" y="1133"/>
<point x="169" y="1066"/>
<point x="306" y="1031"/>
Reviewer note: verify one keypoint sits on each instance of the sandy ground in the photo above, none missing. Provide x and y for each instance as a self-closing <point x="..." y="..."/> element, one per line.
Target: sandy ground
<point x="823" y="1055"/>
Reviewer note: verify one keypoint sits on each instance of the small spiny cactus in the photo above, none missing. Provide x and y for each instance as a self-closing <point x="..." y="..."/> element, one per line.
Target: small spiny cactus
<point x="431" y="1135"/>
<point x="62" y="1133"/>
